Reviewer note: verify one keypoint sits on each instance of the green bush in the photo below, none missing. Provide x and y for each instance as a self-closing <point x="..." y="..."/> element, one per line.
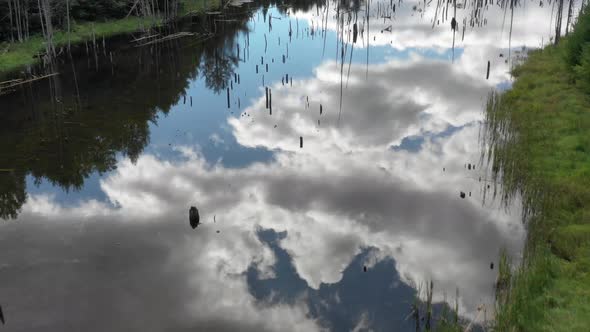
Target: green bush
<point x="577" y="40"/>
<point x="582" y="71"/>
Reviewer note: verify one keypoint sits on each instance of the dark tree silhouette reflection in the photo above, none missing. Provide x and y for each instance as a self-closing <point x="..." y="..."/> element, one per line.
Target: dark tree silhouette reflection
<point x="12" y="195"/>
<point x="65" y="129"/>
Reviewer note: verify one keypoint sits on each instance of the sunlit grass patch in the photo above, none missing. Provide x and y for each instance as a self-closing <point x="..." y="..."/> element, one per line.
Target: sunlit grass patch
<point x="538" y="136"/>
<point x="198" y="6"/>
<point x="18" y="55"/>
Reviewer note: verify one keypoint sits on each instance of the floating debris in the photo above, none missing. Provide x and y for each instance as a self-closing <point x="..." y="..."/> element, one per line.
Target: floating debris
<point x="193" y="217"/>
<point x="167" y="38"/>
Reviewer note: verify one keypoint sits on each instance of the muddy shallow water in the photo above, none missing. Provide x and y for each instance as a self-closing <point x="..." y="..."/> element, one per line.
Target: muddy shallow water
<point x="311" y="151"/>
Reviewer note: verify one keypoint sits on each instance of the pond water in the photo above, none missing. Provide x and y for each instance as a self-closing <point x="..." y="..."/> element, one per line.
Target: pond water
<point x="329" y="204"/>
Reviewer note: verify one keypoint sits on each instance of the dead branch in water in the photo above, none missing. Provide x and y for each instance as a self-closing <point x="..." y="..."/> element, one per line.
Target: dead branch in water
<point x="9" y="85"/>
<point x="146" y="37"/>
<point x="167" y="38"/>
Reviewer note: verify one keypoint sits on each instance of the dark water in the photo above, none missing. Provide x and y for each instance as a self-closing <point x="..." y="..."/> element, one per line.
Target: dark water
<point x="100" y="164"/>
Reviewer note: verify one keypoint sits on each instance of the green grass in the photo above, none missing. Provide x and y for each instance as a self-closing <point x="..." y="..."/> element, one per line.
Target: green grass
<point x="539" y="136"/>
<point x="18" y="55"/>
<point x="15" y="56"/>
<point x="424" y="317"/>
<point x="198" y="6"/>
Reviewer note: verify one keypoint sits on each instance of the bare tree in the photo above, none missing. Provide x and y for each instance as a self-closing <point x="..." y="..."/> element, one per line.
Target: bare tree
<point x="46" y="25"/>
<point x="558" y="21"/>
<point x="11" y="21"/>
<point x="569" y="16"/>
<point x="68" y="19"/>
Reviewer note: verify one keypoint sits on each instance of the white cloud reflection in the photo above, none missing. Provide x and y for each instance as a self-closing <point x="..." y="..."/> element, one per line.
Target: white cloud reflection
<point x="345" y="190"/>
<point x="413" y="29"/>
<point x="342" y="192"/>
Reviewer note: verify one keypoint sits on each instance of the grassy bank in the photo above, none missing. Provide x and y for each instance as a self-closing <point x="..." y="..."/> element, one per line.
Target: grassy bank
<point x="14" y="56"/>
<point x="539" y="138"/>
<point x="17" y="55"/>
<point x="191" y="7"/>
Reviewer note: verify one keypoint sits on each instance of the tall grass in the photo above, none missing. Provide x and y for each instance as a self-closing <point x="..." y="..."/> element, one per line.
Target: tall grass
<point x="538" y="142"/>
<point x="426" y="319"/>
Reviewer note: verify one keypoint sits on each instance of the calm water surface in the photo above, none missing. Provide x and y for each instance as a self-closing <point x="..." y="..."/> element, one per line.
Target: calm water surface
<point x="101" y="164"/>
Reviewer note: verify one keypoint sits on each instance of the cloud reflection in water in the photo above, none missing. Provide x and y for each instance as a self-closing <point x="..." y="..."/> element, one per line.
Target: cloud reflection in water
<point x="311" y="216"/>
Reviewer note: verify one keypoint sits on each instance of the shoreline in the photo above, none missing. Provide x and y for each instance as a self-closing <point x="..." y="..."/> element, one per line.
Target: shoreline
<point x="537" y="137"/>
<point x="15" y="56"/>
